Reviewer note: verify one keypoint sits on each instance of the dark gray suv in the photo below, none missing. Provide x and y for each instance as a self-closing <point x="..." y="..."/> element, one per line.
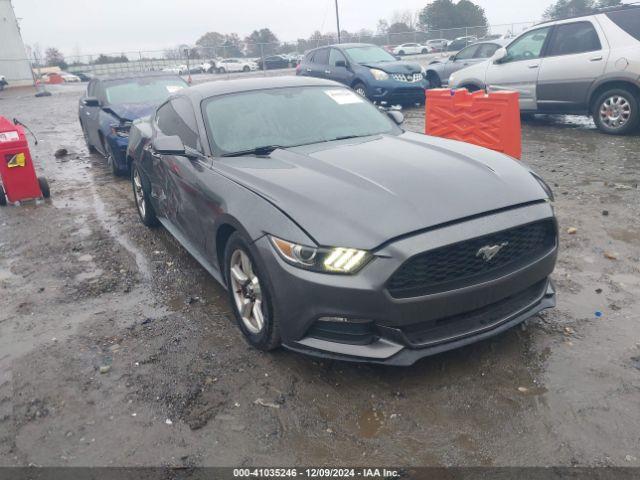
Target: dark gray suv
<point x="371" y="71"/>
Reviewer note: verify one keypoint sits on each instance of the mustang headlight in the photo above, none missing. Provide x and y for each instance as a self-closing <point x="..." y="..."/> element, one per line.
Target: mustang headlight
<point x="545" y="187"/>
<point x="121" y="130"/>
<point x="325" y="260"/>
<point x="379" y="74"/>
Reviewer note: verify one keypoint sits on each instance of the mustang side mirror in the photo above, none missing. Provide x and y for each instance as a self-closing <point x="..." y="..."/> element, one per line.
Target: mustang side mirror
<point x="396" y="116"/>
<point x="341" y="63"/>
<point x="452" y="58"/>
<point x="91" y="102"/>
<point x="500" y="55"/>
<point x="168" y="145"/>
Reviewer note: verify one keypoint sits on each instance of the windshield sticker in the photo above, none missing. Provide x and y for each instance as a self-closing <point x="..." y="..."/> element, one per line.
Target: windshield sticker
<point x="343" y="96"/>
<point x="174" y="88"/>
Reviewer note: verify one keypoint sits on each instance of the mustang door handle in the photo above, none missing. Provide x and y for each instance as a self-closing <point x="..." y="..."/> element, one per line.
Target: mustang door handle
<point x="328" y="72"/>
<point x="596" y="59"/>
<point x="533" y="66"/>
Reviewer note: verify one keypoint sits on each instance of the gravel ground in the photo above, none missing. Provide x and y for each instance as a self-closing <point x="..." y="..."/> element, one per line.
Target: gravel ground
<point x="117" y="348"/>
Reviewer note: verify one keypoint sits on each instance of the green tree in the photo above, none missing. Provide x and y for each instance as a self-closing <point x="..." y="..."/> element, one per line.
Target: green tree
<point x="261" y="41"/>
<point x="572" y="8"/>
<point x="210" y="40"/>
<point x="54" y="58"/>
<point x="447" y="15"/>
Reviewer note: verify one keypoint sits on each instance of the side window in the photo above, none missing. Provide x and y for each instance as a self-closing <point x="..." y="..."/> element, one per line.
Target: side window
<point x="572" y="38"/>
<point x="176" y="117"/>
<point x="91" y="88"/>
<point x="467" y="53"/>
<point x="321" y="57"/>
<point x="529" y="46"/>
<point x="486" y="50"/>
<point x="627" y="20"/>
<point x="336" y="56"/>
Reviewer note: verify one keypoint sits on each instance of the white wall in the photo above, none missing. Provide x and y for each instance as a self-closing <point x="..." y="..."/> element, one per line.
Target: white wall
<point x="14" y="64"/>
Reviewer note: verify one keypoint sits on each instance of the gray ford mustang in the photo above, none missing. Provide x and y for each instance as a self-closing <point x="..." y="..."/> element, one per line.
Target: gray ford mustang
<point x="336" y="232"/>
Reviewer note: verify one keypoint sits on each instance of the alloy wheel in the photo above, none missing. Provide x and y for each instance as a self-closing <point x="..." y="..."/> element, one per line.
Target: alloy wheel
<point x="361" y="91"/>
<point x="137" y="186"/>
<point x="615" y="111"/>
<point x="246" y="291"/>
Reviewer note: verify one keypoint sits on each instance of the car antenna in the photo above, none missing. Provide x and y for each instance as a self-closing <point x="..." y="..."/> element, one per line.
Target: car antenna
<point x="18" y="122"/>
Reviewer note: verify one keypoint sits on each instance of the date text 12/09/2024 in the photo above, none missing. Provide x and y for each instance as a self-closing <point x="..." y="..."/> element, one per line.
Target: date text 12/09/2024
<point x="315" y="473"/>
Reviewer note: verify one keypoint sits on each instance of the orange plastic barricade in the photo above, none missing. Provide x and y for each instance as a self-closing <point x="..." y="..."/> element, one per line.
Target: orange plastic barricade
<point x="488" y="120"/>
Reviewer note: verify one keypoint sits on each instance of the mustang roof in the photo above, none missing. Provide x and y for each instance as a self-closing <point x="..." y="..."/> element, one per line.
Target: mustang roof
<point x="225" y="87"/>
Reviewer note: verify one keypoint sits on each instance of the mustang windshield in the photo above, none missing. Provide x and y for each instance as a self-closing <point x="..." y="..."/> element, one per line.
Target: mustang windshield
<point x="289" y="117"/>
<point x="142" y="90"/>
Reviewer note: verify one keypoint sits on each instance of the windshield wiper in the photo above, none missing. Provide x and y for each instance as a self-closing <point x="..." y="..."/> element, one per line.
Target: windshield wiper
<point x="260" y="151"/>
<point x="345" y="137"/>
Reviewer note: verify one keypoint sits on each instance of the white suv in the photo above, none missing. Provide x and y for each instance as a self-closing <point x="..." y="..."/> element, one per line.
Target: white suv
<point x="585" y="65"/>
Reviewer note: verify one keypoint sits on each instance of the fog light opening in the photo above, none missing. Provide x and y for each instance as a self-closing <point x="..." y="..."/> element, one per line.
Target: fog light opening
<point x="344" y="330"/>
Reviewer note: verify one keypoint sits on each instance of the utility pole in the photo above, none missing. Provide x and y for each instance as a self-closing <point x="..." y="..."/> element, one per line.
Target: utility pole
<point x="338" y="21"/>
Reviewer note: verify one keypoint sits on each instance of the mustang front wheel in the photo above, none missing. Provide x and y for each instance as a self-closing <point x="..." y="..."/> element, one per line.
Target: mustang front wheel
<point x="143" y="205"/>
<point x="250" y="296"/>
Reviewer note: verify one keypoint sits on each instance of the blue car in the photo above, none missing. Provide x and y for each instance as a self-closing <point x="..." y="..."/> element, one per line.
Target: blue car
<point x="110" y="106"/>
<point x="371" y="71"/>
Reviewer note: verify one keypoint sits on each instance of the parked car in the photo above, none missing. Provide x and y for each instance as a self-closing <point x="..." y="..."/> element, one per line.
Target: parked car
<point x="438" y="44"/>
<point x="411" y="49"/>
<point x="174" y="69"/>
<point x="369" y="70"/>
<point x="3" y="82"/>
<point x="209" y="67"/>
<point x="588" y="65"/>
<point x="337" y="233"/>
<point x="460" y="43"/>
<point x="70" y="77"/>
<point x="85" y="76"/>
<point x="236" y="65"/>
<point x="438" y="70"/>
<point x="111" y="104"/>
<point x="273" y="62"/>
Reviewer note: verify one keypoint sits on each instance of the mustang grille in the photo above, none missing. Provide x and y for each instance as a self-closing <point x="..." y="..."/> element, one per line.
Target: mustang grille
<point x="408" y="78"/>
<point x="475" y="260"/>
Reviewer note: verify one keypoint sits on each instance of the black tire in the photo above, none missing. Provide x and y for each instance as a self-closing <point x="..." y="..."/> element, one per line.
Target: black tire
<point x="87" y="142"/>
<point x="401" y="53"/>
<point x="471" y="88"/>
<point x="361" y="89"/>
<point x="434" y="80"/>
<point x="245" y="68"/>
<point x="3" y="197"/>
<point x="424" y="51"/>
<point x="111" y="162"/>
<point x="147" y="214"/>
<point x="44" y="187"/>
<point x="222" y="70"/>
<point x="268" y="338"/>
<point x="631" y="107"/>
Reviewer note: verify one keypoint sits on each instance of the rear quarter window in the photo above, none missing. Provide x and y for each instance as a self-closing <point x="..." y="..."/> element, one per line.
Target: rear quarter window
<point x="628" y="20"/>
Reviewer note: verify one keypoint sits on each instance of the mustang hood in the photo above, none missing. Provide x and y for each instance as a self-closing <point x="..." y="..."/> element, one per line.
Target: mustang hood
<point x="395" y="67"/>
<point x="130" y="111"/>
<point x="362" y="193"/>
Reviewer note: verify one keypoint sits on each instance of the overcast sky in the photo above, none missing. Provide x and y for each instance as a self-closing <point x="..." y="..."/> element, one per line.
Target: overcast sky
<point x="113" y="26"/>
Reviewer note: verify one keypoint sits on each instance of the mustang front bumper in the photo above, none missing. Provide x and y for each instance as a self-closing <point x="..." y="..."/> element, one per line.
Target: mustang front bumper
<point x="378" y="328"/>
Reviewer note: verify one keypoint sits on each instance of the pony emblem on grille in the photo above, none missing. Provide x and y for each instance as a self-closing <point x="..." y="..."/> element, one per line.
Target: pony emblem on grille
<point x="490" y="251"/>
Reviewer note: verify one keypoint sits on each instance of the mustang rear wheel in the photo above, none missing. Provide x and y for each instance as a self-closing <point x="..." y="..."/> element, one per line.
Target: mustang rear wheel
<point x="250" y="296"/>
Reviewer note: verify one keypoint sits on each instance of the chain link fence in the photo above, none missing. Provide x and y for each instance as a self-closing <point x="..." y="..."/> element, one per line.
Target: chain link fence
<point x="251" y="56"/>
